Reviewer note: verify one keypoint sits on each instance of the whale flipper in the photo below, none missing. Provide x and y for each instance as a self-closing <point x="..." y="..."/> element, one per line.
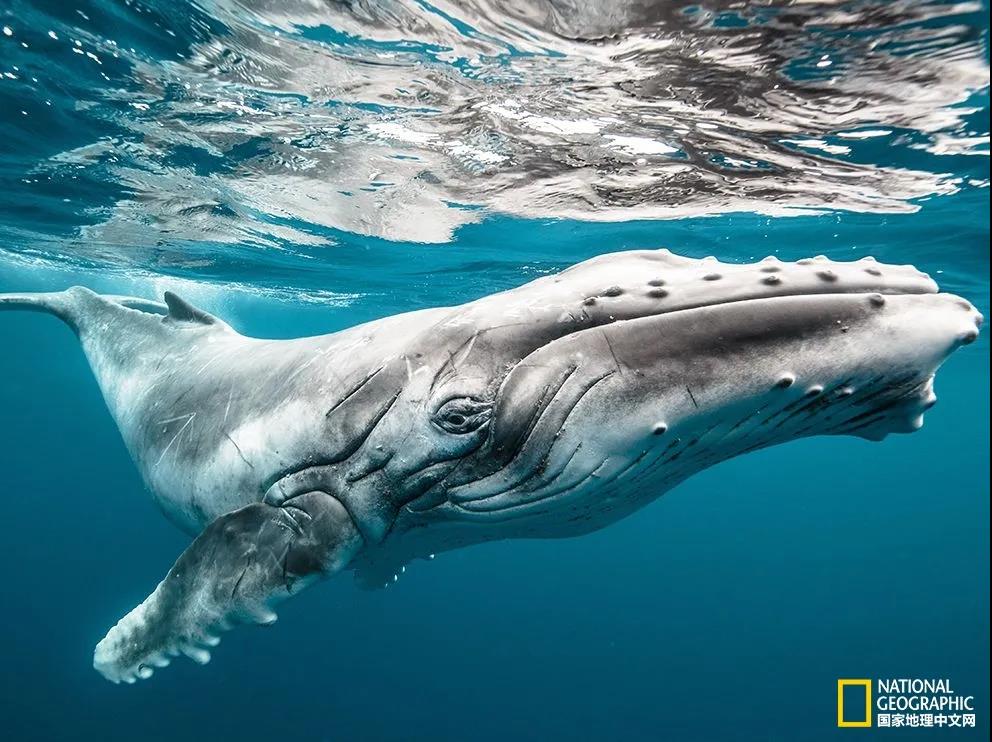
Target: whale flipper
<point x="234" y="572"/>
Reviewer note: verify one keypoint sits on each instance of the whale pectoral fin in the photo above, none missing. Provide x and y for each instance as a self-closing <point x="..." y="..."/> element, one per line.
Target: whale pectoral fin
<point x="234" y="572"/>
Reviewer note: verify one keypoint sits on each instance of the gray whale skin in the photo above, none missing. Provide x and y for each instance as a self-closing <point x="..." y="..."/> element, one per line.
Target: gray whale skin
<point x="549" y="410"/>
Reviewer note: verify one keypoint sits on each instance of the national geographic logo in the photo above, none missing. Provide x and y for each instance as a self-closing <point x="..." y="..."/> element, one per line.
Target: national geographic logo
<point x="902" y="702"/>
<point x="860" y="715"/>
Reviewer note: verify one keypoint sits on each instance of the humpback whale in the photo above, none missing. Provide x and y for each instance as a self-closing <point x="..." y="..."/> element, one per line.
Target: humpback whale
<point x="548" y="410"/>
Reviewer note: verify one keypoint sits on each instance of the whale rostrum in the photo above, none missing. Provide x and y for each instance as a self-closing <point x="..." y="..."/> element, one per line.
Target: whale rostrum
<point x="548" y="410"/>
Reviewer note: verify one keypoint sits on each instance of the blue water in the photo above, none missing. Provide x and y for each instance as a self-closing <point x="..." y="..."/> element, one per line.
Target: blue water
<point x="254" y="178"/>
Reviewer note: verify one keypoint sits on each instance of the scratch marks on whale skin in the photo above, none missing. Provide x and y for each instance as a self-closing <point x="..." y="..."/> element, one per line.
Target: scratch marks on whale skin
<point x="210" y="361"/>
<point x="189" y="419"/>
<point x="692" y="397"/>
<point x="354" y="390"/>
<point x="632" y="464"/>
<point x="227" y="409"/>
<point x="169" y="420"/>
<point x="238" y="449"/>
<point x="609" y="345"/>
<point x="455" y="358"/>
<point x="298" y="369"/>
<point x="241" y="577"/>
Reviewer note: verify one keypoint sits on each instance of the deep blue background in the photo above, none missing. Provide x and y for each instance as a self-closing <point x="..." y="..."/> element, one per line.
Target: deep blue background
<point x="726" y="610"/>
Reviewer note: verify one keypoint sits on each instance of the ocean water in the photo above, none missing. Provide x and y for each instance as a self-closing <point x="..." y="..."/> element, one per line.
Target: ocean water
<point x="299" y="167"/>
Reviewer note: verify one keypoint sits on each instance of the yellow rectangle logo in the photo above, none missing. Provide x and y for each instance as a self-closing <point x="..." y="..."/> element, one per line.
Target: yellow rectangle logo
<point x="848" y="682"/>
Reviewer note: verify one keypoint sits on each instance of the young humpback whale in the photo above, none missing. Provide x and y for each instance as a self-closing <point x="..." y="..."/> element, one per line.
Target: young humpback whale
<point x="548" y="410"/>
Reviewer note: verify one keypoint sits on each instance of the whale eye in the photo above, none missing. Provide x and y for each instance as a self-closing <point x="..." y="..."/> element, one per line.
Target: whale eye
<point x="462" y="415"/>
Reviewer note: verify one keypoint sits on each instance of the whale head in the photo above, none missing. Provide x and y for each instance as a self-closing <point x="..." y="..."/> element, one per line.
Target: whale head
<point x="561" y="405"/>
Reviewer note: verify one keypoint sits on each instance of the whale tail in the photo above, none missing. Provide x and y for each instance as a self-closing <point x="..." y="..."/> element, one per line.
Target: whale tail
<point x="75" y="305"/>
<point x="125" y="338"/>
<point x="55" y="303"/>
<point x="85" y="311"/>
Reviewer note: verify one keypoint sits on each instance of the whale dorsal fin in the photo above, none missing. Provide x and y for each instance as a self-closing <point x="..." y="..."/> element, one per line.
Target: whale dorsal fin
<point x="181" y="310"/>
